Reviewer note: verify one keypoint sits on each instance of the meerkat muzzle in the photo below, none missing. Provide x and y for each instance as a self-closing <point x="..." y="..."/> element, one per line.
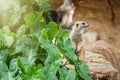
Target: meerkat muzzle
<point x="84" y="25"/>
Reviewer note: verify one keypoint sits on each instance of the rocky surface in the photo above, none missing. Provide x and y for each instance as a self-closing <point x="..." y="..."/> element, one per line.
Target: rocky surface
<point x="102" y="15"/>
<point x="110" y="53"/>
<point x="99" y="67"/>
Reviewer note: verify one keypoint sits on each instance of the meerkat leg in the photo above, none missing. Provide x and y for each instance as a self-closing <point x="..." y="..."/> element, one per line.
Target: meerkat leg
<point x="74" y="45"/>
<point x="80" y="45"/>
<point x="76" y="50"/>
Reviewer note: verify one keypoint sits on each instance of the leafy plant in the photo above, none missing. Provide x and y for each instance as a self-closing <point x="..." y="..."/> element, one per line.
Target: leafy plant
<point x="35" y="52"/>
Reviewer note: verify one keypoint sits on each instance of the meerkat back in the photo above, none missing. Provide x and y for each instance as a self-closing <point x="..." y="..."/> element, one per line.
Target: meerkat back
<point x="90" y="37"/>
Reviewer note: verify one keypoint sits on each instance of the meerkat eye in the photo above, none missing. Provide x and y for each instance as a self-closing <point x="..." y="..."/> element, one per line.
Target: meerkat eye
<point x="83" y="23"/>
<point x="77" y="25"/>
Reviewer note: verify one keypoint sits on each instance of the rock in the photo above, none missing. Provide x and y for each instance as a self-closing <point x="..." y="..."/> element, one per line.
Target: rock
<point x="99" y="67"/>
<point x="107" y="52"/>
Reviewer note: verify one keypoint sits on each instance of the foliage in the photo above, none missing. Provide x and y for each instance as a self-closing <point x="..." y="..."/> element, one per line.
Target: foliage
<point x="35" y="51"/>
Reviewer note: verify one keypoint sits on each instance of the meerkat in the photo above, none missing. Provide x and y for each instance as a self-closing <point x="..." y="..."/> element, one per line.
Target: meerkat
<point x="65" y="14"/>
<point x="90" y="37"/>
<point x="77" y="35"/>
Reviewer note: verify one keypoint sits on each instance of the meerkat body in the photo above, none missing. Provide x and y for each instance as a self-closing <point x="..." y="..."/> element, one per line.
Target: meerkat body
<point x="77" y="35"/>
<point x="65" y="14"/>
<point x="90" y="37"/>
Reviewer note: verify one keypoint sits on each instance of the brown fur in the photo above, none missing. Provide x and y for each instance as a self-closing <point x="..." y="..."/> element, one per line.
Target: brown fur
<point x="76" y="35"/>
<point x="65" y="13"/>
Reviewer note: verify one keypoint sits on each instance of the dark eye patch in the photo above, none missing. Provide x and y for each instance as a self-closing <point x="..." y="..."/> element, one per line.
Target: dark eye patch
<point x="77" y="25"/>
<point x="83" y="23"/>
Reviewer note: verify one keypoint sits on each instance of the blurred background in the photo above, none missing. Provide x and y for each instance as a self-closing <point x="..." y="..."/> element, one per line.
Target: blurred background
<point x="102" y="15"/>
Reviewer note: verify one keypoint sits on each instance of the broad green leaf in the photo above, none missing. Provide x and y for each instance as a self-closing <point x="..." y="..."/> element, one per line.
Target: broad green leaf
<point x="80" y="67"/>
<point x="53" y="28"/>
<point x="38" y="72"/>
<point x="71" y="75"/>
<point x="23" y="44"/>
<point x="28" y="69"/>
<point x="47" y="44"/>
<point x="7" y="36"/>
<point x="37" y="27"/>
<point x="21" y="31"/>
<point x="65" y="33"/>
<point x="52" y="76"/>
<point x="53" y="60"/>
<point x="63" y="73"/>
<point x="29" y="20"/>
<point x="44" y="33"/>
<point x="59" y="32"/>
<point x="69" y="50"/>
<point x="8" y="73"/>
<point x="39" y="16"/>
<point x="8" y="40"/>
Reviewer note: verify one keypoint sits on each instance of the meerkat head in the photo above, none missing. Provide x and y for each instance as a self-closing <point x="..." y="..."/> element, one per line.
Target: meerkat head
<point x="80" y="26"/>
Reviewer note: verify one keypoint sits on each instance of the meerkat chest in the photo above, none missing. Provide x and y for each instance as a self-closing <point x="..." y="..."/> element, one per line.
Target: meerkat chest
<point x="76" y="37"/>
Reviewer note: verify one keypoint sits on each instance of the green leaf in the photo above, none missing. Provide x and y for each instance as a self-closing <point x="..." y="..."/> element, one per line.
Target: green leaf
<point x="40" y="16"/>
<point x="8" y="40"/>
<point x="7" y="36"/>
<point x="37" y="27"/>
<point x="69" y="50"/>
<point x="44" y="33"/>
<point x="53" y="28"/>
<point x="52" y="76"/>
<point x="8" y="73"/>
<point x="22" y="44"/>
<point x="71" y="75"/>
<point x="59" y="32"/>
<point x="80" y="66"/>
<point x="53" y="60"/>
<point x="28" y="69"/>
<point x="29" y="20"/>
<point x="82" y="69"/>
<point x="21" y="31"/>
<point x="65" y="33"/>
<point x="63" y="73"/>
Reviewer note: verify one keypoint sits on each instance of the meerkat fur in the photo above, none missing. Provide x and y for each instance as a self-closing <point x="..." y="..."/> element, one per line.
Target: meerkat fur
<point x="77" y="35"/>
<point x="65" y="13"/>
